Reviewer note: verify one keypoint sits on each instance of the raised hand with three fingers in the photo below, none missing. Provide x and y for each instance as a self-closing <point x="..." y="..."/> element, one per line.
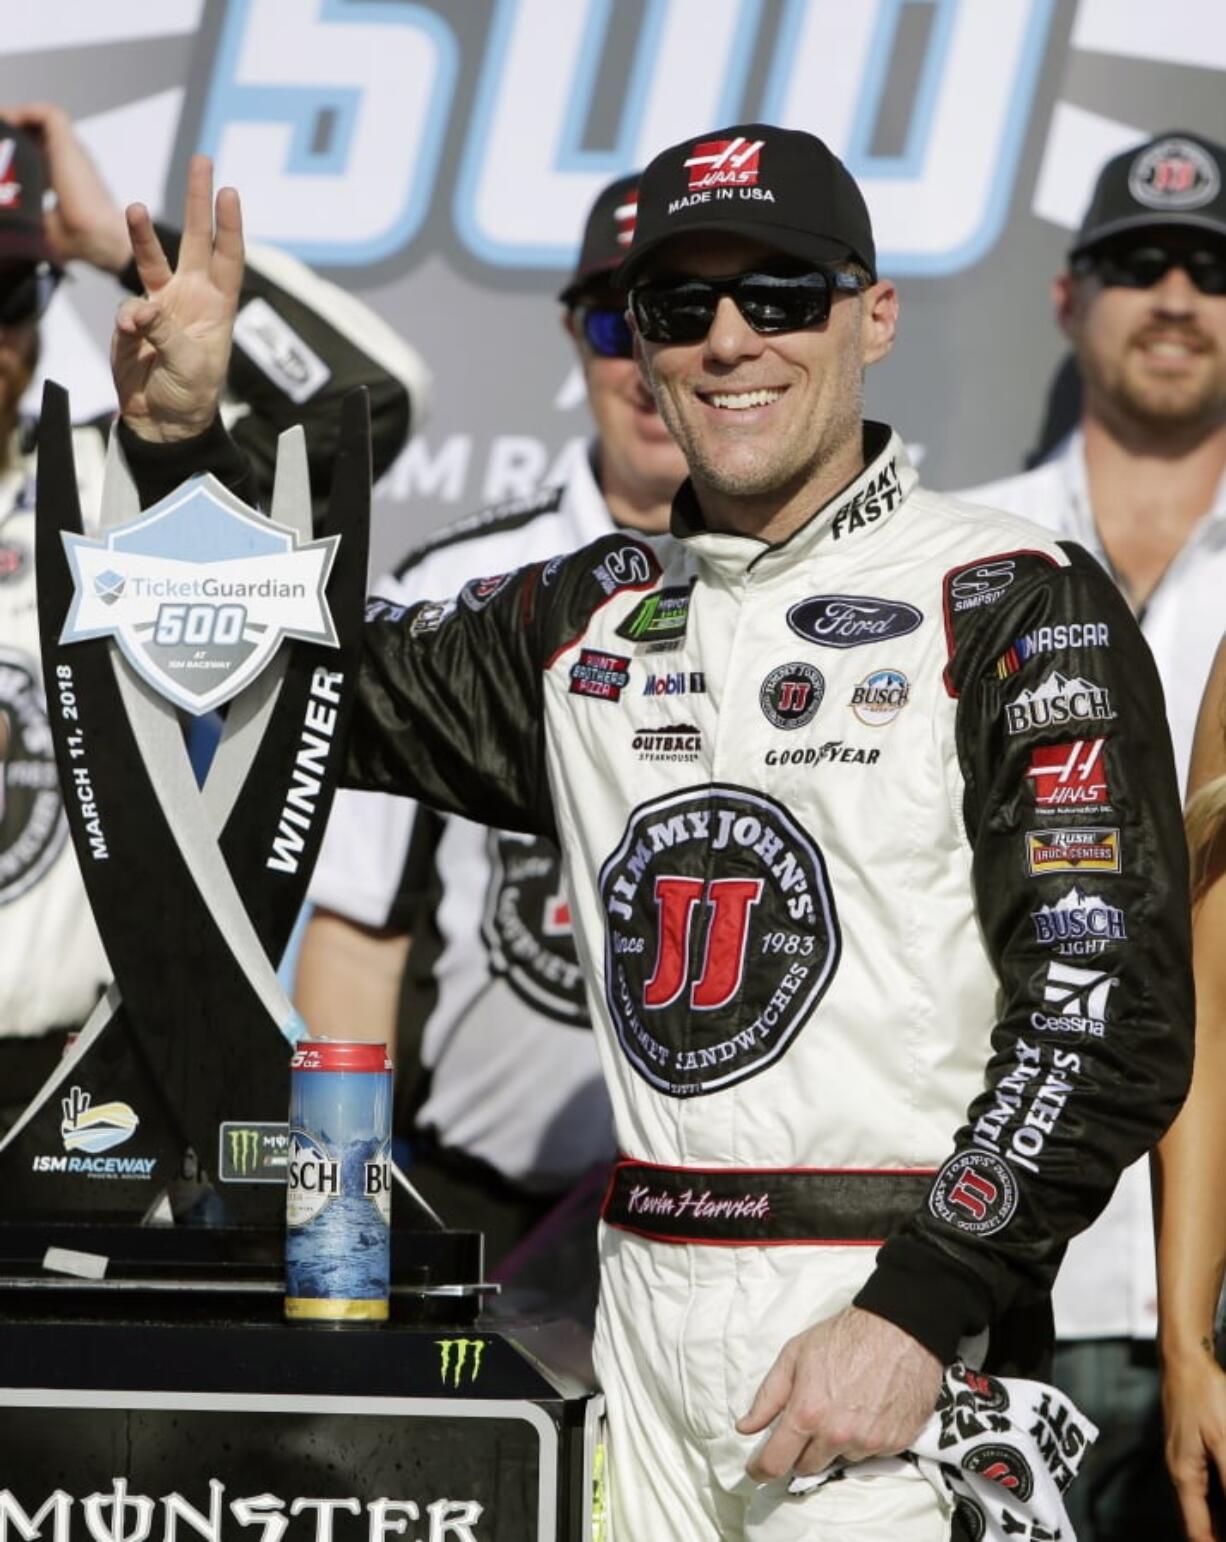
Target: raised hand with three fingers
<point x="171" y="348"/>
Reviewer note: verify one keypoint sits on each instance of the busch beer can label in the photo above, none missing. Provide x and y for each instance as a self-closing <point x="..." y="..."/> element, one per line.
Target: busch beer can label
<point x="338" y="1189"/>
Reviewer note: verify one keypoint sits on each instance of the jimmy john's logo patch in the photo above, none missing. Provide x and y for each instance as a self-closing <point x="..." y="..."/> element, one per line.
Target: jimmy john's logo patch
<point x="976" y="1192"/>
<point x="791" y="695"/>
<point x="709" y="979"/>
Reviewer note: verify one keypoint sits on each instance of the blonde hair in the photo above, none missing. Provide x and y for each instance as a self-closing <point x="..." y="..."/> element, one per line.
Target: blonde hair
<point x="1205" y="824"/>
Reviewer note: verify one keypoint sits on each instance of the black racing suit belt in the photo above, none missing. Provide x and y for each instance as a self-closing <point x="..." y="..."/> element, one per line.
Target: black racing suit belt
<point x="758" y="1207"/>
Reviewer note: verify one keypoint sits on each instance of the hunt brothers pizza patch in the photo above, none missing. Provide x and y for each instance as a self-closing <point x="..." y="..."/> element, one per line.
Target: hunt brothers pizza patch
<point x="721" y="937"/>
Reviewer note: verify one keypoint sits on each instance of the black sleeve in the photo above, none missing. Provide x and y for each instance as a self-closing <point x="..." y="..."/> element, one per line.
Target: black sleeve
<point x="450" y="703"/>
<point x="301" y="344"/>
<point x="1072" y="811"/>
<point x="450" y="698"/>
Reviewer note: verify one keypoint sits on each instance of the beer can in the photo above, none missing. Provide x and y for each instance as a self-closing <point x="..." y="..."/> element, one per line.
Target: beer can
<point x="338" y="1182"/>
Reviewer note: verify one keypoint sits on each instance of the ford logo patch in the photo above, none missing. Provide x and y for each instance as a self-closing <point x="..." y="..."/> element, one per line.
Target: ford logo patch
<point x="850" y="620"/>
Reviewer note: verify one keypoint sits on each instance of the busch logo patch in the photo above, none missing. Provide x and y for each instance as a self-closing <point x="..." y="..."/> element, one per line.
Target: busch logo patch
<point x="976" y="1192"/>
<point x="199" y="592"/>
<point x="1060" y="700"/>
<point x="724" y="163"/>
<point x="791" y="695"/>
<point x="721" y="937"/>
<point x="1174" y="174"/>
<point x="852" y="620"/>
<point x="602" y="675"/>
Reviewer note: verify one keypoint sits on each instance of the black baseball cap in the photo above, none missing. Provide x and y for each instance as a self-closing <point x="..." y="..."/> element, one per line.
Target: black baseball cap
<point x="22" y="184"/>
<point x="606" y="237"/>
<point x="1175" y="179"/>
<point x="782" y="187"/>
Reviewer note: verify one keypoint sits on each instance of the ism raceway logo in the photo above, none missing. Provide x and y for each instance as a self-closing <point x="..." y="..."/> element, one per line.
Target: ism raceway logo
<point x="89" y="1129"/>
<point x="198" y="592"/>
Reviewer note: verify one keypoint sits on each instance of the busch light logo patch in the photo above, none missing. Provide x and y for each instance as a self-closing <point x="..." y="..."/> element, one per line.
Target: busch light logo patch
<point x="1174" y="174"/>
<point x="852" y="620"/>
<point x="880" y="697"/>
<point x="791" y="695"/>
<point x="1080" y="925"/>
<point x="199" y="592"/>
<point x="33" y="827"/>
<point x="708" y="978"/>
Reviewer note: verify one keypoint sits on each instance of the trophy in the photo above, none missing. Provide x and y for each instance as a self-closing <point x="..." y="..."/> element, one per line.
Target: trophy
<point x="173" y="1097"/>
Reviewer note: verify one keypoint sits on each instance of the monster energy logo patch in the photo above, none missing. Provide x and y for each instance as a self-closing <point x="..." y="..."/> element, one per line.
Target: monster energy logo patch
<point x="460" y="1361"/>
<point x="658" y="621"/>
<point x="253" y="1152"/>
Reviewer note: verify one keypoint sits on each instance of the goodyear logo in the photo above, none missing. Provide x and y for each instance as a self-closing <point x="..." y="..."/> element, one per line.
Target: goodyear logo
<point x="253" y="1151"/>
<point x="460" y="1361"/>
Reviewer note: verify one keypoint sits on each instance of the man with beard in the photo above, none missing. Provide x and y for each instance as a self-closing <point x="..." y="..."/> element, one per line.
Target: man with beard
<point x="453" y="942"/>
<point x="300" y="344"/>
<point x="1141" y="484"/>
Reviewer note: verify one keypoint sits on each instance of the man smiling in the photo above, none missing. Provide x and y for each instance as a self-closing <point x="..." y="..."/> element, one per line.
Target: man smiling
<point x="863" y="1097"/>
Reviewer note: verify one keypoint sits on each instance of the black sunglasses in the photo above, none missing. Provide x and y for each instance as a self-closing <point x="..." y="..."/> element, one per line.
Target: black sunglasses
<point x="606" y="330"/>
<point x="26" y="292"/>
<point x="681" y="310"/>
<point x="1141" y="267"/>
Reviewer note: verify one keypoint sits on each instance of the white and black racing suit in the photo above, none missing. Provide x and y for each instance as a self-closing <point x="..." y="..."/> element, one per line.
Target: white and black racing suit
<point x="300" y="345"/>
<point x="879" y="886"/>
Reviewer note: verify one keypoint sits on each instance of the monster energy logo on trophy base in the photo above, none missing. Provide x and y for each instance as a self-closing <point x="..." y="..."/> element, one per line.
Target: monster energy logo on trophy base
<point x="191" y="603"/>
<point x="253" y="1153"/>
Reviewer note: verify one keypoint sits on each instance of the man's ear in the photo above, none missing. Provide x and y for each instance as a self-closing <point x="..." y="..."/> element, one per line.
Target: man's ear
<point x="568" y="323"/>
<point x="878" y="319"/>
<point x="1064" y="297"/>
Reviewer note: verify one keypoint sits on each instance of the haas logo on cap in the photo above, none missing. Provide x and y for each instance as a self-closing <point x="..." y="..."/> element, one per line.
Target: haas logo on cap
<point x="725" y="163"/>
<point x="10" y="188"/>
<point x="624" y="217"/>
<point x="1174" y="174"/>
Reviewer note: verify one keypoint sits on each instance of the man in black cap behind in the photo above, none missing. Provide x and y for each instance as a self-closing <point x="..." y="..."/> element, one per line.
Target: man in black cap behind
<point x="862" y="1101"/>
<point x="1141" y="483"/>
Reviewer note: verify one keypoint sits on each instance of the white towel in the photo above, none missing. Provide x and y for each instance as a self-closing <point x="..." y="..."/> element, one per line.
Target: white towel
<point x="1000" y="1451"/>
